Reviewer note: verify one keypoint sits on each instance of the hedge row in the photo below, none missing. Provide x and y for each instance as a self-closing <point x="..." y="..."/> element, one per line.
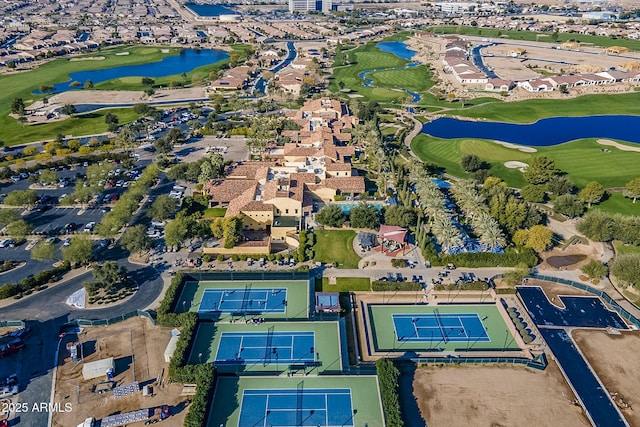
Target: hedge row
<point x="166" y="316"/>
<point x="464" y="286"/>
<point x="526" y="256"/>
<point x="383" y="285"/>
<point x="26" y="285"/>
<point x="203" y="375"/>
<point x="388" y="379"/>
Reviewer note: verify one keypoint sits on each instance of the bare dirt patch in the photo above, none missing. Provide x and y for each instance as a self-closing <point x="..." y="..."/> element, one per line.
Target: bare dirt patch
<point x="495" y="396"/>
<point x="138" y="349"/>
<point x="615" y="360"/>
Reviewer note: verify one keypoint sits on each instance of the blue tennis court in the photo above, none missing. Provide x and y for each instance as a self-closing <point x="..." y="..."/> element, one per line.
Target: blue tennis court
<point x="241" y="348"/>
<point x="246" y="300"/>
<point x="296" y="407"/>
<point x="447" y="327"/>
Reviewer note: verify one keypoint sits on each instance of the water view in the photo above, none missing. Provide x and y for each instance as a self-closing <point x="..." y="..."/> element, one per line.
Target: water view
<point x="210" y="9"/>
<point x="544" y="132"/>
<point x="185" y="62"/>
<point x="399" y="49"/>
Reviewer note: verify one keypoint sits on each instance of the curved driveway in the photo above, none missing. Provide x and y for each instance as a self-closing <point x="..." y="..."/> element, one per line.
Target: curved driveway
<point x="50" y="303"/>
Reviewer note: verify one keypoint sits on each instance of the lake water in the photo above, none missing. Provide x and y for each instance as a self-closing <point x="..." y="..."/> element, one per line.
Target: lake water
<point x="210" y="9"/>
<point x="397" y="48"/>
<point x="544" y="132"/>
<point x="185" y="62"/>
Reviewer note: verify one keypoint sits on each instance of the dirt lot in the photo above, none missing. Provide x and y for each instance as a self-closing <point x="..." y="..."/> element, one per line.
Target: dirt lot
<point x="495" y="396"/>
<point x="118" y="341"/>
<point x="615" y="360"/>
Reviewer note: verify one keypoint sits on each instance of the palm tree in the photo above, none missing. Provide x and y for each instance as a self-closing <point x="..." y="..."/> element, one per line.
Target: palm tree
<point x="490" y="232"/>
<point x="446" y="232"/>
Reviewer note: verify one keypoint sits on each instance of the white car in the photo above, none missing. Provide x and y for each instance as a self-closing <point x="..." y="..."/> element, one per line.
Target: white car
<point x="90" y="226"/>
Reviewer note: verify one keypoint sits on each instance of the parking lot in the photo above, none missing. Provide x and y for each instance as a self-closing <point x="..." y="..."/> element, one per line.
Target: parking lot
<point x="52" y="221"/>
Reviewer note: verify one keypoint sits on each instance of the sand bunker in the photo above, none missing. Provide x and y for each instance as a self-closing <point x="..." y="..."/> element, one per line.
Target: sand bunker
<point x="522" y="148"/>
<point x="617" y="145"/>
<point x="516" y="165"/>
<point x="89" y="58"/>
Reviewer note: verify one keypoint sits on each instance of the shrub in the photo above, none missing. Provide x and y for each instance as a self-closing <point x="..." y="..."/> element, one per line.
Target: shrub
<point x="474" y="260"/>
<point x="165" y="312"/>
<point x="220" y="257"/>
<point x="399" y="263"/>
<point x="381" y="285"/>
<point x="388" y="379"/>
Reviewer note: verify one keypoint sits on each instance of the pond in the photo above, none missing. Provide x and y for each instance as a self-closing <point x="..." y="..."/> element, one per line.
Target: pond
<point x="544" y="132"/>
<point x="185" y="62"/>
<point x="210" y="9"/>
<point x="399" y="49"/>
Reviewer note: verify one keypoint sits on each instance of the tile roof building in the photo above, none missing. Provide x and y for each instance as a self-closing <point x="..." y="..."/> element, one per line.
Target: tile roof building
<point x="317" y="163"/>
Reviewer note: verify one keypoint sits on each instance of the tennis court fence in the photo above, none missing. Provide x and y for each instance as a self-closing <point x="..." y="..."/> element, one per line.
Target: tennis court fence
<point x="246" y="275"/>
<point x="115" y="319"/>
<point x="11" y="323"/>
<point x="539" y="362"/>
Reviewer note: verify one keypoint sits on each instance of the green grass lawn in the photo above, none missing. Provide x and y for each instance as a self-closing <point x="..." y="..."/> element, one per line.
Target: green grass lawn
<point x="582" y="160"/>
<point x="416" y="79"/>
<point x="214" y="212"/>
<point x="82" y="124"/>
<point x="22" y="85"/>
<point x="336" y="246"/>
<point x="617" y="203"/>
<point x="622" y="248"/>
<point x="531" y="110"/>
<point x="367" y="57"/>
<point x="346" y="284"/>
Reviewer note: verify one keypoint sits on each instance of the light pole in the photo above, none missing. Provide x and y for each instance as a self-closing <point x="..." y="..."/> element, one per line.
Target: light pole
<point x="184" y="306"/>
<point x="200" y="357"/>
<point x="506" y="336"/>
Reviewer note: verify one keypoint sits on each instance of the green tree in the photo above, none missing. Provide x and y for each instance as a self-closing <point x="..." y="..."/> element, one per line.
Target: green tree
<point x="364" y="216"/>
<point x="88" y="84"/>
<point x="331" y="215"/>
<point x="232" y="231"/>
<point x="400" y="216"/>
<point x="176" y="231"/>
<point x="471" y="163"/>
<point x="163" y="145"/>
<point x="560" y="185"/>
<point x="111" y="120"/>
<point x="515" y="276"/>
<point x="79" y="250"/>
<point x="533" y="193"/>
<point x="569" y="205"/>
<point x="19" y="229"/>
<point x="23" y="198"/>
<point x="147" y="81"/>
<point x="68" y="109"/>
<point x="539" y="238"/>
<point x="162" y="208"/>
<point x="594" y="269"/>
<point x="109" y="275"/>
<point x="43" y="251"/>
<point x="48" y="177"/>
<point x="17" y="106"/>
<point x="592" y="193"/>
<point x="632" y="189"/>
<point x="135" y="239"/>
<point x="540" y="170"/>
<point x="597" y="226"/>
<point x="7" y="216"/>
<point x="626" y="268"/>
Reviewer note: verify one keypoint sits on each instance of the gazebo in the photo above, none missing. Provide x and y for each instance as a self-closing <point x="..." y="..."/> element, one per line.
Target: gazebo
<point x="392" y="239"/>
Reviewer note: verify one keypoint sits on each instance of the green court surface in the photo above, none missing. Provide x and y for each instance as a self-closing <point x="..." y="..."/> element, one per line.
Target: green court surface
<point x="365" y="397"/>
<point x="297" y="297"/>
<point x="325" y="356"/>
<point x="384" y="335"/>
